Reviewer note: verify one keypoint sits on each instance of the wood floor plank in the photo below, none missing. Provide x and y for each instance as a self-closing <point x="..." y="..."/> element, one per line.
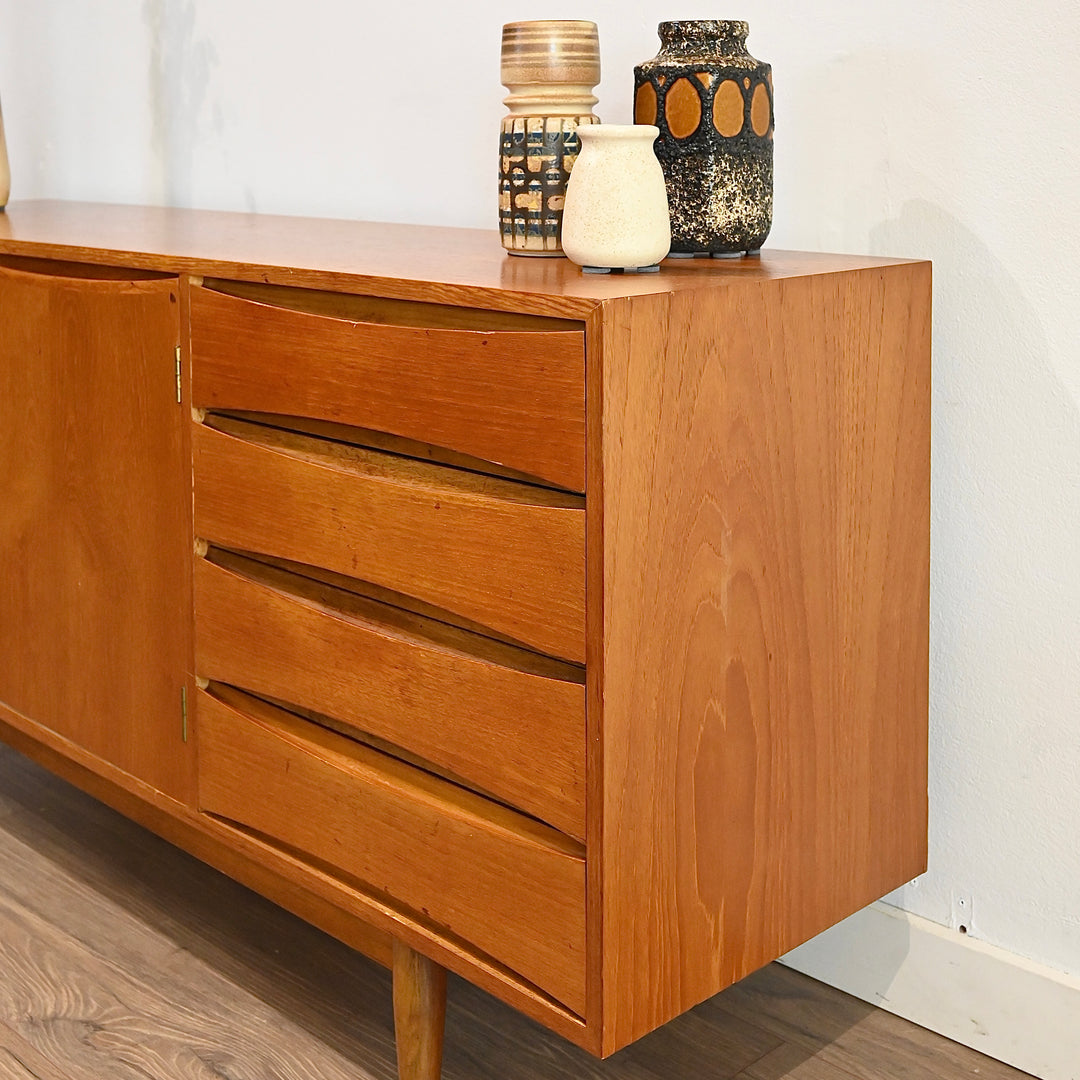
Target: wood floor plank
<point x="13" y="1068"/>
<point x="102" y="1022"/>
<point x="122" y="957"/>
<point x="485" y="1040"/>
<point x="20" y="1061"/>
<point x="849" y="1034"/>
<point x="791" y="1062"/>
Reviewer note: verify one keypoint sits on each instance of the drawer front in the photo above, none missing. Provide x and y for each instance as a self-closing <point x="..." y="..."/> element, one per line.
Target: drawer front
<point x="506" y="556"/>
<point x="515" y="398"/>
<point x="452" y="698"/>
<point x="510" y="887"/>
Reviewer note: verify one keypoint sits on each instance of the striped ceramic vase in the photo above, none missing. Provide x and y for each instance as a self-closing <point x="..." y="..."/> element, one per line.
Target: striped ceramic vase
<point x="550" y="68"/>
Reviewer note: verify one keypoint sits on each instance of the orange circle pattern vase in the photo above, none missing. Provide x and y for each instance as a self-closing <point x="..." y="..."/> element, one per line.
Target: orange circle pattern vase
<point x="713" y="104"/>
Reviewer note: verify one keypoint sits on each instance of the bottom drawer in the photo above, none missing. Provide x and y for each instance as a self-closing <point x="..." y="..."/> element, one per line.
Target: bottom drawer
<point x="511" y="887"/>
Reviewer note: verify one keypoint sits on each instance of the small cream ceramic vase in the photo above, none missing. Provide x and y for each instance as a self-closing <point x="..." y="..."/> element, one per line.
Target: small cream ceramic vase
<point x="5" y="171"/>
<point x="616" y="214"/>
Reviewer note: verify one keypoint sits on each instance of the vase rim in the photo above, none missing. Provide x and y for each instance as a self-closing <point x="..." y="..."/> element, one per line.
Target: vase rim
<point x="712" y="27"/>
<point x="615" y="131"/>
<point x="546" y="25"/>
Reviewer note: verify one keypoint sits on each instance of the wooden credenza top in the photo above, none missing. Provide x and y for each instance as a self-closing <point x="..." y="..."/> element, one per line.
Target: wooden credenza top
<point x="447" y="265"/>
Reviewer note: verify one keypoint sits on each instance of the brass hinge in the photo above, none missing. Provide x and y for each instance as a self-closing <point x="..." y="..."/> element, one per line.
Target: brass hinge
<point x="183" y="713"/>
<point x="179" y="394"/>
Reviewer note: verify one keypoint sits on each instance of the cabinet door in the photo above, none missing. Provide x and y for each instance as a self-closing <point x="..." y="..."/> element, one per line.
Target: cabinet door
<point x="95" y="541"/>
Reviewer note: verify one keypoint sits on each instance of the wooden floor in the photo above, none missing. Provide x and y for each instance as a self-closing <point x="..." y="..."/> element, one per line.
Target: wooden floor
<point x="122" y="957"/>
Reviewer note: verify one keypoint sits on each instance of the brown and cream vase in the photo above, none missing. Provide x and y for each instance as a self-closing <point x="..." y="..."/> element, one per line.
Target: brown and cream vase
<point x="550" y="68"/>
<point x="713" y="104"/>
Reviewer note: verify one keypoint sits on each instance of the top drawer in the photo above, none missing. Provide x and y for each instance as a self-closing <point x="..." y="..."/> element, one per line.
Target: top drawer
<point x="501" y="388"/>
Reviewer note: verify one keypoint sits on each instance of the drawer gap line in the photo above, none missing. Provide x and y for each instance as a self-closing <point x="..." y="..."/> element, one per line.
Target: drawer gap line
<point x="378" y="767"/>
<point x="384" y="746"/>
<point x="390" y="443"/>
<point x="431" y="625"/>
<point x="381" y="465"/>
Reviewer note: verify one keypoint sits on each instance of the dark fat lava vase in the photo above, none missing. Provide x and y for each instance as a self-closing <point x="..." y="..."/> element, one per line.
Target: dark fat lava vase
<point x="713" y="104"/>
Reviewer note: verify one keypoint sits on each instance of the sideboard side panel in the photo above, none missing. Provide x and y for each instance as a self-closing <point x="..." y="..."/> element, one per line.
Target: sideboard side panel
<point x="766" y="608"/>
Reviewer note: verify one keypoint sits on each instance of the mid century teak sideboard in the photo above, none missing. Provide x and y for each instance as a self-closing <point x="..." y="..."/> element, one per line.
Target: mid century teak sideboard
<point x="566" y="632"/>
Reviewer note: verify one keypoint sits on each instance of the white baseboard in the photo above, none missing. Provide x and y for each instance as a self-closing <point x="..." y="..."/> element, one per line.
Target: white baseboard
<point x="1009" y="1008"/>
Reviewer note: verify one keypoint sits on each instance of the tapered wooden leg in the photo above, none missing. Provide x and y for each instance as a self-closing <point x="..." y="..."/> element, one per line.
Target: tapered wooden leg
<point x="419" y="1013"/>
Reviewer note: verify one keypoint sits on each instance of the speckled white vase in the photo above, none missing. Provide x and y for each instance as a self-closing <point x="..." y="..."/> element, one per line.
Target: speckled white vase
<point x="616" y="213"/>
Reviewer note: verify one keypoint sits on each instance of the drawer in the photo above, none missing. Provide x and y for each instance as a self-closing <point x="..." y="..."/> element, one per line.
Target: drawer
<point x="509" y="557"/>
<point x="500" y="719"/>
<point x="510" y="887"/>
<point x="515" y="397"/>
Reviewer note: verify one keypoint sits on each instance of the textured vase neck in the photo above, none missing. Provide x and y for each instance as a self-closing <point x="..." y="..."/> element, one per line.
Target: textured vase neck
<point x="695" y="37"/>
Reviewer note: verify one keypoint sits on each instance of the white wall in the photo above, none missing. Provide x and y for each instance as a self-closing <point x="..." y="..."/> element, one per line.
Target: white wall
<point x="937" y="129"/>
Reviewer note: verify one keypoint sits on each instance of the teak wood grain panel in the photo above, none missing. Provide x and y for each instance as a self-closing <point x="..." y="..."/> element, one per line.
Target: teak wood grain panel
<point x="95" y="524"/>
<point x="507" y="556"/>
<point x="449" y="697"/>
<point x="516" y="398"/>
<point x="764" y="571"/>
<point x="513" y="888"/>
